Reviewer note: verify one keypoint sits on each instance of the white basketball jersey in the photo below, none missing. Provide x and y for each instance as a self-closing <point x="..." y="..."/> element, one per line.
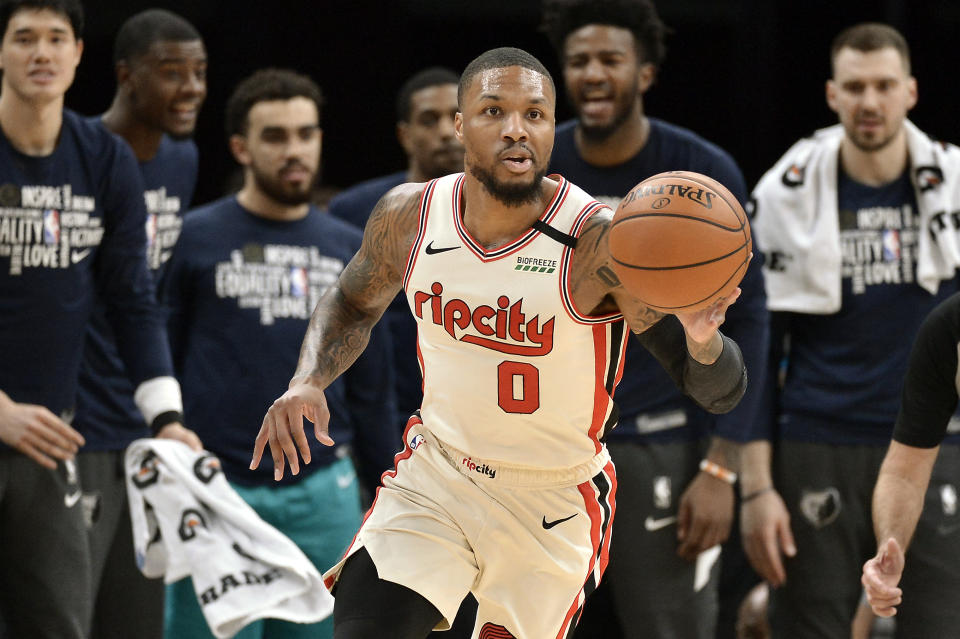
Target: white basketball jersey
<point x="512" y="371"/>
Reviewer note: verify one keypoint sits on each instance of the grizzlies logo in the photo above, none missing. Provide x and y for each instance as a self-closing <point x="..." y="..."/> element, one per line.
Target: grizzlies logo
<point x="148" y="473"/>
<point x="206" y="468"/>
<point x="189" y="520"/>
<point x="820" y="507"/>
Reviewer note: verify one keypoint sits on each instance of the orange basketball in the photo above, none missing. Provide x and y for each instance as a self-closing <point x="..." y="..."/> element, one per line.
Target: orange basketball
<point x="680" y="241"/>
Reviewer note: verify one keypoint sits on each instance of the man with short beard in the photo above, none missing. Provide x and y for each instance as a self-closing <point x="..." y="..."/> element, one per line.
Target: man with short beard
<point x="242" y="282"/>
<point x="160" y="65"/>
<point x="504" y="488"/>
<point x="859" y="251"/>
<point x="663" y="578"/>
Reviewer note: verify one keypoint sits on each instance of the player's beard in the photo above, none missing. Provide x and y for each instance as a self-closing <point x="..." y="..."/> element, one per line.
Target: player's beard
<point x="513" y="195"/>
<point x="870" y="145"/>
<point x="273" y="188"/>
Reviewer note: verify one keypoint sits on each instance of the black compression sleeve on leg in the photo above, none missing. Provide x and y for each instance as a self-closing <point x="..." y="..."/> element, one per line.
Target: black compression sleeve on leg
<point x="368" y="607"/>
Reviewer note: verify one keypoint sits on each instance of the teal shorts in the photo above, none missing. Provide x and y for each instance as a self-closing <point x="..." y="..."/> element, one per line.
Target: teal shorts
<point x="320" y="514"/>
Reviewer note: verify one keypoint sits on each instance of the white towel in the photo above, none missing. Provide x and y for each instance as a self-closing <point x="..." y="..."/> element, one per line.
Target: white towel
<point x="796" y="223"/>
<point x="188" y="521"/>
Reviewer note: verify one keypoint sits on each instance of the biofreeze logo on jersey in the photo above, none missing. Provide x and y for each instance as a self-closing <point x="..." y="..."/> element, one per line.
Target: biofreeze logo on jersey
<point x="535" y="264"/>
<point x="505" y="328"/>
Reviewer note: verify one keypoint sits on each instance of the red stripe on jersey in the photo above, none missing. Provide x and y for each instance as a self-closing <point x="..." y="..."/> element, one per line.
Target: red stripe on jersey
<point x="424" y="213"/>
<point x="596" y="522"/>
<point x="601" y="401"/>
<point x="566" y="271"/>
<point x="399" y="457"/>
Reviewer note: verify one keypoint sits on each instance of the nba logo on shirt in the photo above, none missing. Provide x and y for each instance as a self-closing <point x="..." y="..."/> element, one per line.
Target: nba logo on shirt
<point x="151" y="229"/>
<point x="891" y="245"/>
<point x="51" y="226"/>
<point x="298" y="281"/>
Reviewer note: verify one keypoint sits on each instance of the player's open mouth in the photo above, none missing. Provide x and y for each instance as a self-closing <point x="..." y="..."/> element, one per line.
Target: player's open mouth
<point x="517" y="164"/>
<point x="597" y="106"/>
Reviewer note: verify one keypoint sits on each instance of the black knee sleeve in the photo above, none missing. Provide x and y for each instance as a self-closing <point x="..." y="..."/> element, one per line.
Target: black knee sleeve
<point x="368" y="607"/>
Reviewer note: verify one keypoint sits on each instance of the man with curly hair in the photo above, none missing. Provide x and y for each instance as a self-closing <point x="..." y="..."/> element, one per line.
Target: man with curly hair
<point x="676" y="463"/>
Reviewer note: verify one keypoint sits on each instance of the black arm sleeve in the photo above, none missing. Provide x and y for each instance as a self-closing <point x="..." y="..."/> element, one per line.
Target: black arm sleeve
<point x="716" y="387"/>
<point x="929" y="395"/>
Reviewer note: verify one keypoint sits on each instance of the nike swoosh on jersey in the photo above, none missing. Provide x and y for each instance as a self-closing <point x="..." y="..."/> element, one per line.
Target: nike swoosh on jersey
<point x="547" y="525"/>
<point x="71" y="500"/>
<point x="77" y="256"/>
<point x="652" y="524"/>
<point x="433" y="251"/>
<point x="344" y="480"/>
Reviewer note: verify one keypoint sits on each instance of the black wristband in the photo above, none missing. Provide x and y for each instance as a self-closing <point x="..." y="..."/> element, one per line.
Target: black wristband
<point x="164" y="418"/>
<point x="755" y="494"/>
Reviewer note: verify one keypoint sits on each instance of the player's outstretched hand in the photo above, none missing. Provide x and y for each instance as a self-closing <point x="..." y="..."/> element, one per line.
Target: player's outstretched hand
<point x="765" y="529"/>
<point x="704" y="515"/>
<point x="37" y="433"/>
<point x="881" y="574"/>
<point x="283" y="428"/>
<point x="180" y="433"/>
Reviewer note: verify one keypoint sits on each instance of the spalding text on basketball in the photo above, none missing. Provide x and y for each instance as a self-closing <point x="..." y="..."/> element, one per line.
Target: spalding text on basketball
<point x="505" y="328"/>
<point x="699" y="195"/>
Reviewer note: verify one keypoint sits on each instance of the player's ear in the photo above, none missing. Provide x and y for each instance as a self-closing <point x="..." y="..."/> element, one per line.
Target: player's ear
<point x="646" y="74"/>
<point x="403" y="136"/>
<point x="238" y="147"/>
<point x="911" y="92"/>
<point x="123" y="74"/>
<point x="831" y="92"/>
<point x="458" y="126"/>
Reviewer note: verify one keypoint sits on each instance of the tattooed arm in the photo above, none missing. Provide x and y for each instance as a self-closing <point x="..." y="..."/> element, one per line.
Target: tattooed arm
<point x="700" y="360"/>
<point x="340" y="328"/>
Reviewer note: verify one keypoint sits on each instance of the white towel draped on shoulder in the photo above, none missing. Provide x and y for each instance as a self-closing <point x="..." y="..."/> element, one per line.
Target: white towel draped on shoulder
<point x="188" y="521"/>
<point x="795" y="219"/>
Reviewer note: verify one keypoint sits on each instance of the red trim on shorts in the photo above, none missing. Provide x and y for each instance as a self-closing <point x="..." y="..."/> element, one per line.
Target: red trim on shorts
<point x="596" y="522"/>
<point x="611" y="476"/>
<point x="399" y="457"/>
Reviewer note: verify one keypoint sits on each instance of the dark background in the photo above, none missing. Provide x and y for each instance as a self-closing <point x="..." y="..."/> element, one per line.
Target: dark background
<point x="746" y="74"/>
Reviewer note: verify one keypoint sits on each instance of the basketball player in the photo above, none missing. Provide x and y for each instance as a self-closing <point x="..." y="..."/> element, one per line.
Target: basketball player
<point x="426" y="107"/>
<point x="662" y="581"/>
<point x="161" y="66"/>
<point x="71" y="230"/>
<point x="504" y="488"/>
<point x="247" y="272"/>
<point x="852" y="219"/>
<point x="928" y="403"/>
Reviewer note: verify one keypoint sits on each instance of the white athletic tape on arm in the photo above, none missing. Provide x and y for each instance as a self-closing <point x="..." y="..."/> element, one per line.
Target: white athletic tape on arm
<point x="158" y="395"/>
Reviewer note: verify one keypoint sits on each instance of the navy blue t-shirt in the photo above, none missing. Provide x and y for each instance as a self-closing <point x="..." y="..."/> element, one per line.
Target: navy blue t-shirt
<point x="354" y="205"/>
<point x="240" y="290"/>
<point x="845" y="370"/>
<point x="106" y="414"/>
<point x="72" y="229"/>
<point x="649" y="401"/>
